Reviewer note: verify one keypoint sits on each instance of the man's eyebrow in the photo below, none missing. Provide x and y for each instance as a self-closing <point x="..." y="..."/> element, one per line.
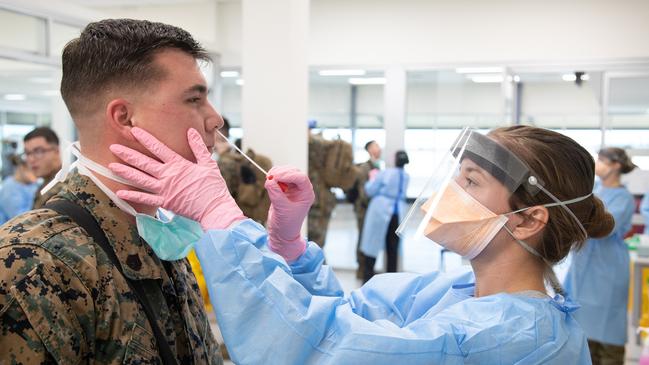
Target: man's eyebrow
<point x="202" y="89"/>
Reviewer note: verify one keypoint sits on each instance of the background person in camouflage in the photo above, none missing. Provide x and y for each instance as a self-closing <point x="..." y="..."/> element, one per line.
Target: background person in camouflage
<point x="245" y="182"/>
<point x="362" y="200"/>
<point x="330" y="166"/>
<point x="61" y="298"/>
<point x="44" y="158"/>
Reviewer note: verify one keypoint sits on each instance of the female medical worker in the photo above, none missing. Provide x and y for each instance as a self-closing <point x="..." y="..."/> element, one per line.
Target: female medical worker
<point x="387" y="207"/>
<point x="598" y="278"/>
<point x="510" y="201"/>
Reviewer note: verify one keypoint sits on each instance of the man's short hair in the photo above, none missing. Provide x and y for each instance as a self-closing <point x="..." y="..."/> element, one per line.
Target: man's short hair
<point x="117" y="54"/>
<point x="368" y="144"/>
<point x="45" y="132"/>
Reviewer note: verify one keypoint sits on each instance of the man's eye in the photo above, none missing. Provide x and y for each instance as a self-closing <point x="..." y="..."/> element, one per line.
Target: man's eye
<point x="194" y="100"/>
<point x="470" y="182"/>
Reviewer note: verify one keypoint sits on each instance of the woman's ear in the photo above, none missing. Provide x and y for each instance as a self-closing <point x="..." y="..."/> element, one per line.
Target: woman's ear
<point x="533" y="221"/>
<point x="119" y="114"/>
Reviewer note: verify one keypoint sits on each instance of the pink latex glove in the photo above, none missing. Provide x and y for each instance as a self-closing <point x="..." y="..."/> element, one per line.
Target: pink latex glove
<point x="194" y="190"/>
<point x="288" y="208"/>
<point x="372" y="175"/>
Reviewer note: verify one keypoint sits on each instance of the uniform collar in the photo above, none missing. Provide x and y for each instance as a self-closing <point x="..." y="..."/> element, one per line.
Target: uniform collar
<point x="136" y="257"/>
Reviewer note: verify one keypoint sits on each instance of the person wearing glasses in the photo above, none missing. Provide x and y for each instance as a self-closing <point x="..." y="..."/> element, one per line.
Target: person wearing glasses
<point x="43" y="158"/>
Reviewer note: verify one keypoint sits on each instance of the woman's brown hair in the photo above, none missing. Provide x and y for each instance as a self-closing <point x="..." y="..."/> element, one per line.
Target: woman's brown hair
<point x="567" y="170"/>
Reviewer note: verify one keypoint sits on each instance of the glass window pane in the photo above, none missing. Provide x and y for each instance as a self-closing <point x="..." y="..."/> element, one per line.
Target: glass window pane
<point x="447" y="99"/>
<point x="27" y="32"/>
<point x="556" y="100"/>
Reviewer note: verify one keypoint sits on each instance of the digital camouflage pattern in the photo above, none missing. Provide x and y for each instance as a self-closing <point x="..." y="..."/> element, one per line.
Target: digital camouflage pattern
<point x="41" y="199"/>
<point x="63" y="301"/>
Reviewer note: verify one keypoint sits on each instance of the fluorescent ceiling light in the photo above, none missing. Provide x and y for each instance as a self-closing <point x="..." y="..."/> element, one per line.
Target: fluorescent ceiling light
<point x="50" y="92"/>
<point x="478" y="70"/>
<point x="15" y="97"/>
<point x="229" y="73"/>
<point x="367" y="80"/>
<point x="484" y="79"/>
<point x="239" y="82"/>
<point x="569" y="77"/>
<point x="342" y="72"/>
<point x="585" y="77"/>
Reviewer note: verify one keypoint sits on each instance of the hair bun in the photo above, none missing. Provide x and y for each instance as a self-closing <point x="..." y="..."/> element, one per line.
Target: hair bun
<point x="600" y="222"/>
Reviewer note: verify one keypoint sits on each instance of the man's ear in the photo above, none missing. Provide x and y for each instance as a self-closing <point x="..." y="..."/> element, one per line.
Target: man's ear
<point x="119" y="114"/>
<point x="533" y="221"/>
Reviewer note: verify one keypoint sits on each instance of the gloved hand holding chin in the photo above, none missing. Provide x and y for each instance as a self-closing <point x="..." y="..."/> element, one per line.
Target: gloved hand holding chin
<point x="194" y="190"/>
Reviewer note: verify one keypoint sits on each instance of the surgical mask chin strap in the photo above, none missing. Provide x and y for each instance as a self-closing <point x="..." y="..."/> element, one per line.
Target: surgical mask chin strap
<point x="85" y="167"/>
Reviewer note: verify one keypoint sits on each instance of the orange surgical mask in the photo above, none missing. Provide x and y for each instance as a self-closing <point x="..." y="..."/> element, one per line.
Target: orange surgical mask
<point x="460" y="223"/>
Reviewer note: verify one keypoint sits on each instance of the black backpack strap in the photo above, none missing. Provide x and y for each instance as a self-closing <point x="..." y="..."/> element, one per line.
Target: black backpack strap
<point x="86" y="221"/>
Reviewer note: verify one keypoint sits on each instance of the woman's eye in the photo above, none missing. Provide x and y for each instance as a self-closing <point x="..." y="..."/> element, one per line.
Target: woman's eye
<point x="194" y="100"/>
<point x="470" y="182"/>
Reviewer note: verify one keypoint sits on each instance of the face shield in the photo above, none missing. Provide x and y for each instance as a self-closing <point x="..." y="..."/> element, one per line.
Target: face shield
<point x="465" y="203"/>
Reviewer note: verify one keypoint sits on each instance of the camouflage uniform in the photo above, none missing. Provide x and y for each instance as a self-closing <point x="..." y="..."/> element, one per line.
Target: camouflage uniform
<point x="40" y="200"/>
<point x="325" y="200"/>
<point x="62" y="300"/>
<point x="248" y="191"/>
<point x="360" y="207"/>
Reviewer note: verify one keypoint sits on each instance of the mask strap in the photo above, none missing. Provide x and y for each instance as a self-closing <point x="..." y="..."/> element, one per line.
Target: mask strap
<point x="550" y="275"/>
<point x="527" y="247"/>
<point x="62" y="174"/>
<point x="564" y="204"/>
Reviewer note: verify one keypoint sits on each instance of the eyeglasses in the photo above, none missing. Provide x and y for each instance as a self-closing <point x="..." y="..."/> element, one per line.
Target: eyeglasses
<point x="36" y="153"/>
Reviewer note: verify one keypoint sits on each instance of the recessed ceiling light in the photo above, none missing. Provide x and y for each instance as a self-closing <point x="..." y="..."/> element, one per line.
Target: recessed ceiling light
<point x="478" y="70"/>
<point x="342" y="72"/>
<point x="367" y="80"/>
<point x="229" y="73"/>
<point x="15" y="97"/>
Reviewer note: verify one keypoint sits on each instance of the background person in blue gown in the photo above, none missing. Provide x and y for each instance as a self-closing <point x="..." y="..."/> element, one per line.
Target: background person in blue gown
<point x="17" y="191"/>
<point x="598" y="278"/>
<point x="387" y="190"/>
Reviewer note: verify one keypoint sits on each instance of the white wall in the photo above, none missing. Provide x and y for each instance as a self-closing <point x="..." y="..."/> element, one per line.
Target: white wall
<point x="199" y="18"/>
<point x="441" y="31"/>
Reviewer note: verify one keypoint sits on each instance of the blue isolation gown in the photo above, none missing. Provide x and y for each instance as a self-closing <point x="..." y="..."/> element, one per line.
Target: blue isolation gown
<point x="270" y="312"/>
<point x="15" y="198"/>
<point x="598" y="278"/>
<point x="387" y="192"/>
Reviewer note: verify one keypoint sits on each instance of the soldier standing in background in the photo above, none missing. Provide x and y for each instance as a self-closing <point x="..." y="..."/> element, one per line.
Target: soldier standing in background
<point x="244" y="181"/>
<point x="359" y="198"/>
<point x="330" y="166"/>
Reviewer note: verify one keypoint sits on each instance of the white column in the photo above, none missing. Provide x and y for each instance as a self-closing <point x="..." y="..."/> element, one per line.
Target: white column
<point x="394" y="98"/>
<point x="275" y="74"/>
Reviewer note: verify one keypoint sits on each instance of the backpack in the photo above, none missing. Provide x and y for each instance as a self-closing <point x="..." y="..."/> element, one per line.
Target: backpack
<point x="339" y="168"/>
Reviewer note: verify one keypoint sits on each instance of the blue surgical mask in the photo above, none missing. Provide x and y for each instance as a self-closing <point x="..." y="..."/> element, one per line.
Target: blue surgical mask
<point x="171" y="236"/>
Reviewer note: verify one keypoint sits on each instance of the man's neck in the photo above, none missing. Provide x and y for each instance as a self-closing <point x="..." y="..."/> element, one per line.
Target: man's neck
<point x="114" y="186"/>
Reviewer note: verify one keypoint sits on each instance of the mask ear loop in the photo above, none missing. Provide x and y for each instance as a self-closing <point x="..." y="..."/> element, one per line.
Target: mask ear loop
<point x="550" y="274"/>
<point x="564" y="204"/>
